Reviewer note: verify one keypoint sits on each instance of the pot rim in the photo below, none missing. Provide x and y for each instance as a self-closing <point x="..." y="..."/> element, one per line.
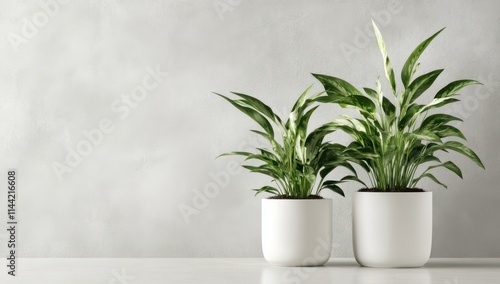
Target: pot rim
<point x="297" y="200"/>
<point x="391" y="193"/>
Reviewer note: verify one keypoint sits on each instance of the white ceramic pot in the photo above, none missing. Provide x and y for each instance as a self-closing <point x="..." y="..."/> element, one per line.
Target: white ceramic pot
<point x="392" y="229"/>
<point x="297" y="232"/>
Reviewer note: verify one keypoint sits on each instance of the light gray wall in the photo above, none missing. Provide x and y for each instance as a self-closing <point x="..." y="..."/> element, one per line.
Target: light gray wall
<point x="73" y="71"/>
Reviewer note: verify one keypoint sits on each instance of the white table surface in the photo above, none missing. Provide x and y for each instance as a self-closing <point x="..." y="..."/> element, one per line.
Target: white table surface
<point x="243" y="270"/>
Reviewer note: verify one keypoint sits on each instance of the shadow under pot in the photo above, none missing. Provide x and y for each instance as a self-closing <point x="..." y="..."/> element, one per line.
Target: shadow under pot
<point x="297" y="232"/>
<point x="392" y="229"/>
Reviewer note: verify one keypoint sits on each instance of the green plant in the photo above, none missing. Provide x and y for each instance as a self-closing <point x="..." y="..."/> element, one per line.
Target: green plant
<point x="295" y="162"/>
<point x="396" y="139"/>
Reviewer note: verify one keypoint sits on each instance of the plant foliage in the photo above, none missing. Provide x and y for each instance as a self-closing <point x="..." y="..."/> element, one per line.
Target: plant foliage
<point x="397" y="139"/>
<point x="299" y="162"/>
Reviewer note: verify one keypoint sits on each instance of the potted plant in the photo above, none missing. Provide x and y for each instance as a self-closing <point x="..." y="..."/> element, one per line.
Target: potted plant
<point x="392" y="221"/>
<point x="296" y="220"/>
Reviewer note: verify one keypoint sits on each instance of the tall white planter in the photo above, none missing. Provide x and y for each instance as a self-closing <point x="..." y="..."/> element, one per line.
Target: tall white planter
<point x="297" y="232"/>
<point x="392" y="229"/>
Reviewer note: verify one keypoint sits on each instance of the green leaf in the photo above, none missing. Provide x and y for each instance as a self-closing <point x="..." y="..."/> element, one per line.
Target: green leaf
<point x="429" y="158"/>
<point x="448" y="131"/>
<point x="272" y="171"/>
<point x="261" y="120"/>
<point x="347" y="120"/>
<point x="335" y="189"/>
<point x="417" y="155"/>
<point x="371" y="93"/>
<point x="337" y="86"/>
<point x="259" y="106"/>
<point x="464" y="150"/>
<point x="379" y="91"/>
<point x="299" y="151"/>
<point x="329" y="167"/>
<point x="264" y="134"/>
<point x="388" y="107"/>
<point x="450" y="166"/>
<point x="318" y="134"/>
<point x="345" y="95"/>
<point x="453" y="87"/>
<point x="363" y="104"/>
<point x="408" y="68"/>
<point x="410" y="115"/>
<point x="353" y="178"/>
<point x="331" y="182"/>
<point x="315" y="139"/>
<point x="270" y="161"/>
<point x="426" y="135"/>
<point x="346" y="126"/>
<point x="454" y="168"/>
<point x="420" y="85"/>
<point x="361" y="153"/>
<point x="236" y="153"/>
<point x="268" y="154"/>
<point x="436" y="103"/>
<point x="268" y="189"/>
<point x="432" y="177"/>
<point x="436" y="120"/>
<point x="304" y="122"/>
<point x="389" y="73"/>
<point x="302" y="99"/>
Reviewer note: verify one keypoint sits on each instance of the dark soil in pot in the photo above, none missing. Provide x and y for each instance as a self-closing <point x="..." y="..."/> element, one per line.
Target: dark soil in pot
<point x="399" y="189"/>
<point x="290" y="197"/>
